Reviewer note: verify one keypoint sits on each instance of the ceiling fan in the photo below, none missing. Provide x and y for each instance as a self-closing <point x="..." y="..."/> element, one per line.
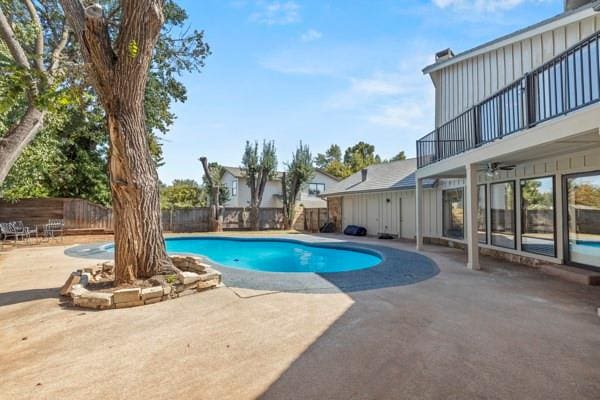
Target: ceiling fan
<point x="493" y="168"/>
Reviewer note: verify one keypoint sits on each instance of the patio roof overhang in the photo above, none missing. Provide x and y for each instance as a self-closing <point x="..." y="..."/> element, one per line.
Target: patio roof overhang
<point x="570" y="133"/>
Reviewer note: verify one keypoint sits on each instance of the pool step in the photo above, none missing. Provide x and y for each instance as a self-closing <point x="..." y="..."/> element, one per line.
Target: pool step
<point x="572" y="274"/>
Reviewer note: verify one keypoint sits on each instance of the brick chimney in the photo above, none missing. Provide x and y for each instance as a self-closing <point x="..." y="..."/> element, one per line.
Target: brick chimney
<point x="364" y="173"/>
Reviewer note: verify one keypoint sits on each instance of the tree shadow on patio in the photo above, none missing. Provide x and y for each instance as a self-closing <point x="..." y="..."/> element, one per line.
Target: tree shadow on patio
<point x="23" y="296"/>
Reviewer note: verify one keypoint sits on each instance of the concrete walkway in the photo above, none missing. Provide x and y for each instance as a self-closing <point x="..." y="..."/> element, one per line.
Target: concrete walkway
<point x="507" y="332"/>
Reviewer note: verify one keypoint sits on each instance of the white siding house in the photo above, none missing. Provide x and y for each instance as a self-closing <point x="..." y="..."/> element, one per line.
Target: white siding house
<point x="518" y="122"/>
<point x="234" y="180"/>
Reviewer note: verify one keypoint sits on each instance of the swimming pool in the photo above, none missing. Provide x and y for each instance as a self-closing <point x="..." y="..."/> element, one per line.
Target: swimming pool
<point x="275" y="255"/>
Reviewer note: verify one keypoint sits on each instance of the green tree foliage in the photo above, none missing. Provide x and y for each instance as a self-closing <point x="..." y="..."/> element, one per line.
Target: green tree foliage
<point x="533" y="197"/>
<point x="360" y="155"/>
<point x="356" y="157"/>
<point x="299" y="172"/>
<point x="68" y="159"/>
<point x="258" y="169"/>
<point x="217" y="172"/>
<point x="182" y="193"/>
<point x="399" y="157"/>
<point x="332" y="154"/>
<point x="331" y="162"/>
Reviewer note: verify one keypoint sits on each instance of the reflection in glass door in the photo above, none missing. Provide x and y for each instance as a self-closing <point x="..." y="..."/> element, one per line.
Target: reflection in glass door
<point x="583" y="219"/>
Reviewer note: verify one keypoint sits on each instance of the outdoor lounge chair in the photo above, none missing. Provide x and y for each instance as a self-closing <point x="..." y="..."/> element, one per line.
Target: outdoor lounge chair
<point x="8" y="231"/>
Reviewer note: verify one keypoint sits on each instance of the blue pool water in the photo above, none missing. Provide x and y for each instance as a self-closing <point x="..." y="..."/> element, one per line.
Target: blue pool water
<point x="274" y="255"/>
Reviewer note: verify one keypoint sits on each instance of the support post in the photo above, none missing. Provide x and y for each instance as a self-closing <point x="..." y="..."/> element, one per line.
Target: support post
<point x="471" y="217"/>
<point x="419" y="214"/>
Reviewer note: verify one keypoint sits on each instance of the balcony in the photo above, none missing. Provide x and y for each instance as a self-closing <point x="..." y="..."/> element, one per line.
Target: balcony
<point x="564" y="84"/>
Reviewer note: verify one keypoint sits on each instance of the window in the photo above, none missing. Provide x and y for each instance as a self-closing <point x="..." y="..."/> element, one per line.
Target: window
<point x="503" y="214"/>
<point x="453" y="213"/>
<point x="583" y="219"/>
<point x="537" y="216"/>
<point x="234" y="187"/>
<point x="316" y="189"/>
<point x="482" y="214"/>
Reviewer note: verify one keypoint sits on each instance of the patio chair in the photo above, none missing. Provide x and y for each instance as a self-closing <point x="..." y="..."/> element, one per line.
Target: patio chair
<point x="25" y="231"/>
<point x="8" y="230"/>
<point x="53" y="228"/>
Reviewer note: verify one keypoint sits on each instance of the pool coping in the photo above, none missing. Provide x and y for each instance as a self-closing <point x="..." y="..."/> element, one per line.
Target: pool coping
<point x="397" y="267"/>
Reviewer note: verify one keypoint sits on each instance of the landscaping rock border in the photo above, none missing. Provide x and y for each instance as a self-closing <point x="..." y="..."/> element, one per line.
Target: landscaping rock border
<point x="196" y="276"/>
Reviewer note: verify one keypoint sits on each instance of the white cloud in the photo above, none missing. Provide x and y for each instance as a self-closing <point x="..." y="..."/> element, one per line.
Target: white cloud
<point x="276" y="13"/>
<point x="398" y="98"/>
<point x="311" y="35"/>
<point x="482" y="5"/>
<point x="400" y="116"/>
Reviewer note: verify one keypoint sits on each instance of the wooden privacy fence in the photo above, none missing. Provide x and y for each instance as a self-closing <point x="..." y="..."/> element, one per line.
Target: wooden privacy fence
<point x="78" y="214"/>
<point x="196" y="219"/>
<point x="84" y="216"/>
<point x="310" y="219"/>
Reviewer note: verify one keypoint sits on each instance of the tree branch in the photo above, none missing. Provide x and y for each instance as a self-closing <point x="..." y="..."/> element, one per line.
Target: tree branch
<point x="90" y="28"/>
<point x="39" y="37"/>
<point x="60" y="46"/>
<point x="8" y="36"/>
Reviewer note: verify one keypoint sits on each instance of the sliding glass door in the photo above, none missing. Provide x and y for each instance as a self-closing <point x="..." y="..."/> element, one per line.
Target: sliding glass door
<point x="502" y="204"/>
<point x="537" y="216"/>
<point x="582" y="239"/>
<point x="453" y="213"/>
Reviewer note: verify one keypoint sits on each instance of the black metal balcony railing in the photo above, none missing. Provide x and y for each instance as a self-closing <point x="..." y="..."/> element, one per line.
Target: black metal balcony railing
<point x="566" y="83"/>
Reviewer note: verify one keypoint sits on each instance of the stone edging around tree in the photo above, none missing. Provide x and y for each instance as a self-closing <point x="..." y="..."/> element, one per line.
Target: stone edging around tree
<point x="197" y="276"/>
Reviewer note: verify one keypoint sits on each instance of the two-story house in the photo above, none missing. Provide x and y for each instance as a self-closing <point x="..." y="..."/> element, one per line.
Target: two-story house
<point x="234" y="180"/>
<point x="517" y="123"/>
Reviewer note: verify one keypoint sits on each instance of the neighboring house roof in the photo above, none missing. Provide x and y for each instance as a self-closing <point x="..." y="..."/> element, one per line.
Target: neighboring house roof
<point x="239" y="173"/>
<point x="560" y="19"/>
<point x="396" y="175"/>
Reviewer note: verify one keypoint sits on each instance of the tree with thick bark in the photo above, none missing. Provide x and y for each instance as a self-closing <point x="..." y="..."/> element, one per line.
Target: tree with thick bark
<point x="72" y="130"/>
<point x="36" y="69"/>
<point x="299" y="172"/>
<point x="258" y="170"/>
<point x="118" y="69"/>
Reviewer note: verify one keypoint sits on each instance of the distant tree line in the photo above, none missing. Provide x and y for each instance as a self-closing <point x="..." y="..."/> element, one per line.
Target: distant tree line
<point x="355" y="158"/>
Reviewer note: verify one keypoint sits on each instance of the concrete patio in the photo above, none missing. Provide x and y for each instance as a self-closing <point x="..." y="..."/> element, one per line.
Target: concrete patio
<point x="502" y="333"/>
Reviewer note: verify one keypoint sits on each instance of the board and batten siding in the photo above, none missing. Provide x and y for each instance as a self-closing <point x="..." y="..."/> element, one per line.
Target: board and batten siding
<point x="398" y="216"/>
<point x="462" y="85"/>
<point x="378" y="215"/>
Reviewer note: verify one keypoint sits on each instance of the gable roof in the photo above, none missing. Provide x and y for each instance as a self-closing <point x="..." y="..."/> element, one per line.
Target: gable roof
<point x="521" y="34"/>
<point x="239" y="173"/>
<point x="395" y="175"/>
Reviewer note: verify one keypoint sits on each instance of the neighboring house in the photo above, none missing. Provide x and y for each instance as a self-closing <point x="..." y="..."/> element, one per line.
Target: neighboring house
<point x="518" y="120"/>
<point x="239" y="192"/>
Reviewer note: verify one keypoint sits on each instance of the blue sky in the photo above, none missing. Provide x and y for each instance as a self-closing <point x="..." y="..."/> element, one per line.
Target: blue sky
<point x="323" y="72"/>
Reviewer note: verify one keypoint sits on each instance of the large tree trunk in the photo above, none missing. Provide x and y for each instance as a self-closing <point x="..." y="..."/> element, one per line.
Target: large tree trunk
<point x="119" y="74"/>
<point x="139" y="246"/>
<point x="254" y="218"/>
<point x="17" y="138"/>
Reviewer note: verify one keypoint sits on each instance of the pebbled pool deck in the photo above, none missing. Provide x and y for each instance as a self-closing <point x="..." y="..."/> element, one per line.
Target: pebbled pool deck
<point x="397" y="268"/>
